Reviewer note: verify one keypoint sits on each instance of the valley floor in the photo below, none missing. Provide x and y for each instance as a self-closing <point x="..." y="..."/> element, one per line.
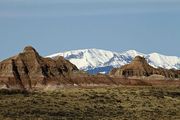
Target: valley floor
<point x="107" y="103"/>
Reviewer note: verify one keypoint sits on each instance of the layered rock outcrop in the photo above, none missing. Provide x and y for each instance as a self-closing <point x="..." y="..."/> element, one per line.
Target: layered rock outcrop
<point x="28" y="69"/>
<point x="139" y="67"/>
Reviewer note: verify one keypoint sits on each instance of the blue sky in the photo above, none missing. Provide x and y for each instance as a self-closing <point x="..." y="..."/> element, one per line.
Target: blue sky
<point x="118" y="25"/>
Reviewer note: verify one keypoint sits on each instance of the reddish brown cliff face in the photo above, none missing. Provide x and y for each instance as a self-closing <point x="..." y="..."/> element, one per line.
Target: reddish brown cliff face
<point x="28" y="69"/>
<point x="140" y="67"/>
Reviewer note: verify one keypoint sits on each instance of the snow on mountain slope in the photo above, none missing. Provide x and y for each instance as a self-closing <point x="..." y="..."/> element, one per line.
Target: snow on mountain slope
<point x="158" y="60"/>
<point x="97" y="60"/>
<point x="87" y="58"/>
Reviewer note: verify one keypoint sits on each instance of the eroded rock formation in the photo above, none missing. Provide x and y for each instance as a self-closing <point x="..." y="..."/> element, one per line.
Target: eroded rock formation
<point x="140" y="67"/>
<point x="28" y="69"/>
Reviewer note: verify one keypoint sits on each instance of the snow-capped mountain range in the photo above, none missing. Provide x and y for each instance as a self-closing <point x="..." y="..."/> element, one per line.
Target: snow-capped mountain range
<point x="102" y="61"/>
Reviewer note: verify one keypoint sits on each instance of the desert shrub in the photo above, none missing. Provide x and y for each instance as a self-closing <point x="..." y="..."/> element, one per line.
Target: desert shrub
<point x="174" y="94"/>
<point x="13" y="91"/>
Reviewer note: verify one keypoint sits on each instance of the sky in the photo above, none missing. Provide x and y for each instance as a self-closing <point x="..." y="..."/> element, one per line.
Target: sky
<point x="53" y="26"/>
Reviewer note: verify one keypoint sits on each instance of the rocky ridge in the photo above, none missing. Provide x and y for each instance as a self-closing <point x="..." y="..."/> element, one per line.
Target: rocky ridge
<point x="139" y="67"/>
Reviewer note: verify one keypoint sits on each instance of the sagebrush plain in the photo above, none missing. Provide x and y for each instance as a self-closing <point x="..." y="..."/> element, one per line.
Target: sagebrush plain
<point x="98" y="103"/>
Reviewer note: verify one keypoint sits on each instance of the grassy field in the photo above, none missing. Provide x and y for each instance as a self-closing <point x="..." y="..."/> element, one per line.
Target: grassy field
<point x="108" y="103"/>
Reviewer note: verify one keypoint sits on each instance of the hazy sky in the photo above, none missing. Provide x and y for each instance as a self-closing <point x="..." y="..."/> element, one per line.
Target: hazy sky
<point x="58" y="25"/>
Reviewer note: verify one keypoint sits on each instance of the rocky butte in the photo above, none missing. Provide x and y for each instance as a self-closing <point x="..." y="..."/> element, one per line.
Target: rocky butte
<point x="28" y="69"/>
<point x="140" y="68"/>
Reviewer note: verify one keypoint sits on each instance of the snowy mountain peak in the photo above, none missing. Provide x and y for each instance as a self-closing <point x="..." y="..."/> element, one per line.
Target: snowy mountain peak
<point x="133" y="53"/>
<point x="86" y="58"/>
<point x="98" y="60"/>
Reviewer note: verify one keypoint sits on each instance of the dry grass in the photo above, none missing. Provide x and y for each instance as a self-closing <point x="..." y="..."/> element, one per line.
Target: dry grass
<point x="107" y="103"/>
